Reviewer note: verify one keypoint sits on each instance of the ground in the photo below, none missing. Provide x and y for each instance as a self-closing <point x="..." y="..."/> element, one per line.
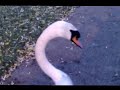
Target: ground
<point x="98" y="63"/>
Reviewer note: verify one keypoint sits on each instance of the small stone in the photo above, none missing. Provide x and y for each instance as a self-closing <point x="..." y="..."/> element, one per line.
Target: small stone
<point x="26" y="65"/>
<point x="116" y="74"/>
<point x="12" y="83"/>
<point x="38" y="26"/>
<point x="79" y="72"/>
<point x="22" y="10"/>
<point x="61" y="58"/>
<point x="38" y="18"/>
<point x="67" y="47"/>
<point x="73" y="43"/>
<point x="62" y="61"/>
<point x="106" y="47"/>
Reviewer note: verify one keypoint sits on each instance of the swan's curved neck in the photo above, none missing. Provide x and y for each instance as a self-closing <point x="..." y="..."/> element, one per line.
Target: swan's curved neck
<point x="40" y="55"/>
<point x="53" y="31"/>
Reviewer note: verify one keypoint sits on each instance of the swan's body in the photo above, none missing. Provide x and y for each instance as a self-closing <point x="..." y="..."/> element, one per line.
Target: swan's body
<point x="57" y="29"/>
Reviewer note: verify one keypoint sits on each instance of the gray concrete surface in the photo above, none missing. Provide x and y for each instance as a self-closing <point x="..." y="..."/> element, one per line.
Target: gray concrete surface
<point x="98" y="63"/>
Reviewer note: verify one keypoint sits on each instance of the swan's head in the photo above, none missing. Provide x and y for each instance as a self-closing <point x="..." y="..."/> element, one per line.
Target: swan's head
<point x="65" y="30"/>
<point x="70" y="32"/>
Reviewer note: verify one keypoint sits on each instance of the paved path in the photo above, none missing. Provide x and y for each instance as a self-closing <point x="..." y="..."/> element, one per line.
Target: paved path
<point x="97" y="64"/>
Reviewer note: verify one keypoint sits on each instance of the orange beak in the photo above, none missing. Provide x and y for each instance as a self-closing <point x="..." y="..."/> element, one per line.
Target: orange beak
<point x="75" y="40"/>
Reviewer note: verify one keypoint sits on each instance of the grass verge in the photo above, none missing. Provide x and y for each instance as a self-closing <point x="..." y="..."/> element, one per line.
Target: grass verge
<point x="20" y="27"/>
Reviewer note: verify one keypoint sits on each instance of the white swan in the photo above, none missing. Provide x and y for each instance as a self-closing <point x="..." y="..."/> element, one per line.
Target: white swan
<point x="57" y="29"/>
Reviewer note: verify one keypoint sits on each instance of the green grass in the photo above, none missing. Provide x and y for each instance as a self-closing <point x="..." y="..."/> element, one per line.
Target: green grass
<point x="23" y="24"/>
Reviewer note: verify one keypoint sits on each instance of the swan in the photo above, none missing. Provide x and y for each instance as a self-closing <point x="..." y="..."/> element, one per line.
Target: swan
<point x="57" y="29"/>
